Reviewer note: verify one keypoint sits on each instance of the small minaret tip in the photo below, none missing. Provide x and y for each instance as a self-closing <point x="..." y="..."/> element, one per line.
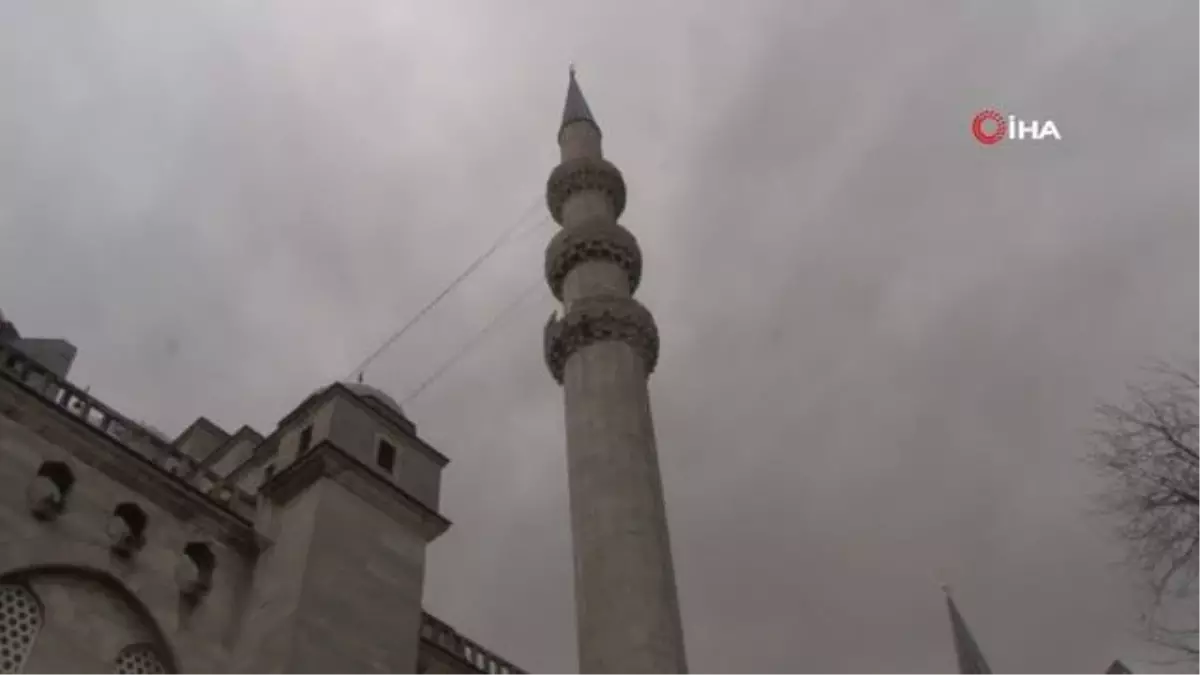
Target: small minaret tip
<point x="940" y="576"/>
<point x="575" y="109"/>
<point x="966" y="650"/>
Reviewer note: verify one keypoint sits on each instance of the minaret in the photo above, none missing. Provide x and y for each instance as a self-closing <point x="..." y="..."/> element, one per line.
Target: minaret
<point x="602" y="351"/>
<point x="970" y="657"/>
<point x="1117" y="668"/>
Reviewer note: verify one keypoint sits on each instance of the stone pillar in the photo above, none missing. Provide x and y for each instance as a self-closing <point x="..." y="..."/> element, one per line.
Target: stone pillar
<point x="602" y="350"/>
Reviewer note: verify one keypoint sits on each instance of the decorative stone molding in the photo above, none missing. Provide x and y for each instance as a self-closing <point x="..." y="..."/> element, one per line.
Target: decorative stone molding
<point x="600" y="319"/>
<point x="584" y="173"/>
<point x="327" y="460"/>
<point x="594" y="240"/>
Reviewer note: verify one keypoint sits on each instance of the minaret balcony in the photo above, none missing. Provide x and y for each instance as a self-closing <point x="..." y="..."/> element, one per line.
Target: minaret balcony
<point x="592" y="241"/>
<point x="600" y="319"/>
<point x="583" y="174"/>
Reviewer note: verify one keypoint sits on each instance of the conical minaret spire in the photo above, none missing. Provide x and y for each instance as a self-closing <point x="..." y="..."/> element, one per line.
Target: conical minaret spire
<point x="970" y="657"/>
<point x="1117" y="668"/>
<point x="602" y="351"/>
<point x="576" y="108"/>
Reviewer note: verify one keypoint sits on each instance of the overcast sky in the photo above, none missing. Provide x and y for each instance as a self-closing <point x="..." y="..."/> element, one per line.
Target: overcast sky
<point x="881" y="340"/>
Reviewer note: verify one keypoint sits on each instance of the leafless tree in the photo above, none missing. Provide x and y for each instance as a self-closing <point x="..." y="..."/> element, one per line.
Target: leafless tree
<point x="1146" y="447"/>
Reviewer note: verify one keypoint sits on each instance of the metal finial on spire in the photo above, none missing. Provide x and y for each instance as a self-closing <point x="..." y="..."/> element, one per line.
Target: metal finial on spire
<point x="360" y="377"/>
<point x="942" y="581"/>
<point x="571" y="69"/>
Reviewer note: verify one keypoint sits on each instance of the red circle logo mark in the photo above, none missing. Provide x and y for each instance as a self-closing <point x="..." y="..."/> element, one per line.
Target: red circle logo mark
<point x="981" y="122"/>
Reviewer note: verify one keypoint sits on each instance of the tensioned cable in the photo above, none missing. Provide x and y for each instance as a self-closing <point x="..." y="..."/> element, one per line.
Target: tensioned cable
<point x="474" y="341"/>
<point x="503" y="239"/>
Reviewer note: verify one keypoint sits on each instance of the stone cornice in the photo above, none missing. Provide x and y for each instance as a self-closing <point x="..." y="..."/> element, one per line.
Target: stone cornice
<point x="263" y="450"/>
<point x="93" y="447"/>
<point x="327" y="460"/>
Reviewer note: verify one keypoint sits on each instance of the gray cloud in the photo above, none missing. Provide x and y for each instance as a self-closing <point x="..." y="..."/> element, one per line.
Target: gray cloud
<point x="881" y="340"/>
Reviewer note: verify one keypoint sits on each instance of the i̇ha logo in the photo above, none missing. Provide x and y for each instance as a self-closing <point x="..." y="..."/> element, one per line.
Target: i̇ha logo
<point x="990" y="127"/>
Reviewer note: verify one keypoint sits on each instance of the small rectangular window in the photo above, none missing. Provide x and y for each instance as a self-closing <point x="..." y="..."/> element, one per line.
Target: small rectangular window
<point x="268" y="472"/>
<point x="385" y="455"/>
<point x="305" y="439"/>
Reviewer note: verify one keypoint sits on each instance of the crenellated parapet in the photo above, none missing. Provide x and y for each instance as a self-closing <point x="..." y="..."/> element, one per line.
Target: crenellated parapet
<point x="581" y="174"/>
<point x="600" y="319"/>
<point x="591" y="241"/>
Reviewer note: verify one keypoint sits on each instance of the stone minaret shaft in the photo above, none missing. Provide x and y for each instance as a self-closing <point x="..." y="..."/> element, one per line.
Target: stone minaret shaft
<point x="602" y="351"/>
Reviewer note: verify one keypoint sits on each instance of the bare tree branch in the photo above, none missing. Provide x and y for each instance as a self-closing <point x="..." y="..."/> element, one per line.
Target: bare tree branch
<point x="1148" y="451"/>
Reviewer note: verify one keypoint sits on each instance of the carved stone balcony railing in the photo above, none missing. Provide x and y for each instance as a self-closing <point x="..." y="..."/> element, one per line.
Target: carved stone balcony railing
<point x="78" y="403"/>
<point x="472" y="654"/>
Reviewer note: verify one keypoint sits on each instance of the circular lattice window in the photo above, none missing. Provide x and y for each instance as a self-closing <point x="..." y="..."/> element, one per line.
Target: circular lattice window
<point x="20" y="621"/>
<point x="139" y="659"/>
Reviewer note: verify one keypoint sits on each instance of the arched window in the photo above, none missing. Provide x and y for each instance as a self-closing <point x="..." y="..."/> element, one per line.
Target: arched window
<point x="138" y="659"/>
<point x="49" y="490"/>
<point x="127" y="529"/>
<point x="194" y="572"/>
<point x="20" y="623"/>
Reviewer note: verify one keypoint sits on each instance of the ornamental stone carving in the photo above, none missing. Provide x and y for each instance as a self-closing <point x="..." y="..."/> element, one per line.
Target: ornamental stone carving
<point x="593" y="240"/>
<point x="600" y="319"/>
<point x="584" y="173"/>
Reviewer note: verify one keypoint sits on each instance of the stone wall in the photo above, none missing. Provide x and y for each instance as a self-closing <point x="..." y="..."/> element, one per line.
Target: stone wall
<point x="328" y="577"/>
<point x="201" y="638"/>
